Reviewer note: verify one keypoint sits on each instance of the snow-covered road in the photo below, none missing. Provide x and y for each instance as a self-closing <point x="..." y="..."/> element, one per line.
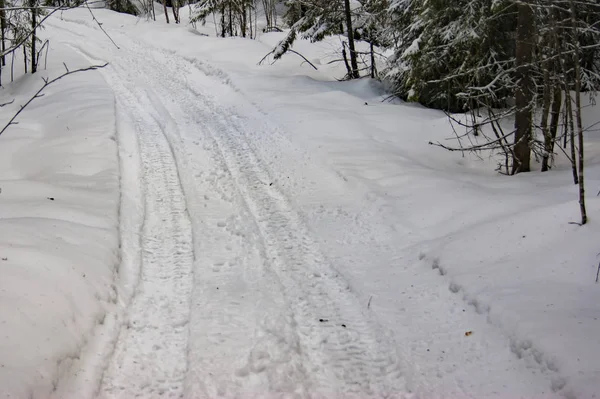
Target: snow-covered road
<point x="227" y="286"/>
<point x="234" y="295"/>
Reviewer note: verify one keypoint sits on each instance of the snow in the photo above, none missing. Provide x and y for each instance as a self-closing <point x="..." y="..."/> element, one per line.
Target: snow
<point x="58" y="223"/>
<point x="282" y="234"/>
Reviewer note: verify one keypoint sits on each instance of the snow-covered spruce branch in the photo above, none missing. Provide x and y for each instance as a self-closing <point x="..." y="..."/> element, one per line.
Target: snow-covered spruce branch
<point x="39" y="94"/>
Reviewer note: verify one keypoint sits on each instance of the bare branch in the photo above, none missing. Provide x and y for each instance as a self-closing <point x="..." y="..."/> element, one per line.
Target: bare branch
<point x="39" y="93"/>
<point x="100" y="25"/>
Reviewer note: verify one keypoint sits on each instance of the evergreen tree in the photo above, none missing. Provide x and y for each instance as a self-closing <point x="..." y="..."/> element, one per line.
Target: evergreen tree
<point x="234" y="15"/>
<point x="318" y="19"/>
<point x="123" y="6"/>
<point x="446" y="46"/>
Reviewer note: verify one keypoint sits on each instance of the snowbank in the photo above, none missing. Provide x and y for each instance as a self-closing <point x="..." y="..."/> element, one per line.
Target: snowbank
<point x="58" y="223"/>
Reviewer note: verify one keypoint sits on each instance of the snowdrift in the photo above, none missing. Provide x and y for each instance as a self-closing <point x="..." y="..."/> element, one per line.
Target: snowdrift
<point x="58" y="223"/>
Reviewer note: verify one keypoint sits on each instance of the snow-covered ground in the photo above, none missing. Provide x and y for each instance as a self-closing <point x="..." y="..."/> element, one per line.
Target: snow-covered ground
<point x="282" y="234"/>
<point x="59" y="181"/>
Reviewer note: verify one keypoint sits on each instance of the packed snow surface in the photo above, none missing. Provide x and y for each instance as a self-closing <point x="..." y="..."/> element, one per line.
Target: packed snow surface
<point x="274" y="233"/>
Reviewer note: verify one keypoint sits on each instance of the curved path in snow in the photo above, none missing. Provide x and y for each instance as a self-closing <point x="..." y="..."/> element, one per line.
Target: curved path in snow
<point x="234" y="296"/>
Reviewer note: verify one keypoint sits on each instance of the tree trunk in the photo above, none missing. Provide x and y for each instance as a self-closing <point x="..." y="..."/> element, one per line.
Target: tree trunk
<point x="3" y="30"/>
<point x="554" y="119"/>
<point x="223" y="26"/>
<point x="353" y="61"/>
<point x="373" y="66"/>
<point x="524" y="90"/>
<point x="175" y="4"/>
<point x="267" y="13"/>
<point x="570" y="131"/>
<point x="230" y="21"/>
<point x="32" y="4"/>
<point x="244" y="22"/>
<point x="578" y="120"/>
<point x="12" y="66"/>
<point x="546" y="104"/>
<point x="250" y="23"/>
<point x="344" y="55"/>
<point x="165" y="8"/>
<point x="554" y="66"/>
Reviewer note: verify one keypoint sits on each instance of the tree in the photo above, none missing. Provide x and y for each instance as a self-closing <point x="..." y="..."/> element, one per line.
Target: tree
<point x="350" y="32"/>
<point x="123" y="6"/>
<point x="524" y="93"/>
<point x="233" y="15"/>
<point x="370" y="26"/>
<point x="321" y="18"/>
<point x="445" y="47"/>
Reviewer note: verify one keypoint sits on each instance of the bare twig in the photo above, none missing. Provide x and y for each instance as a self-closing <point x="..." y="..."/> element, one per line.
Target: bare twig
<point x="495" y="144"/>
<point x="39" y="53"/>
<point x="265" y="57"/>
<point x="303" y="57"/>
<point x="39" y="93"/>
<point x="100" y="25"/>
<point x="291" y="51"/>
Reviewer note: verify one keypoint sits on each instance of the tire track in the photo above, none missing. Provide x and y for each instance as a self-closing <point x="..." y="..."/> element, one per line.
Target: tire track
<point x="287" y="322"/>
<point x="151" y="351"/>
<point x="344" y="350"/>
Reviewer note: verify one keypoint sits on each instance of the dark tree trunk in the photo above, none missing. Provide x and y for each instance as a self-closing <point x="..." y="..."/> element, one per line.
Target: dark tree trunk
<point x="571" y="132"/>
<point x="553" y="66"/>
<point x="373" y="66"/>
<point x="250" y="23"/>
<point x="3" y="30"/>
<point x="244" y="22"/>
<point x="165" y="8"/>
<point x="33" y="35"/>
<point x="344" y="55"/>
<point x="353" y="61"/>
<point x="230" y="21"/>
<point x="223" y="26"/>
<point x="554" y="119"/>
<point x="524" y="90"/>
<point x="175" y="8"/>
<point x="578" y="121"/>
<point x="547" y="103"/>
